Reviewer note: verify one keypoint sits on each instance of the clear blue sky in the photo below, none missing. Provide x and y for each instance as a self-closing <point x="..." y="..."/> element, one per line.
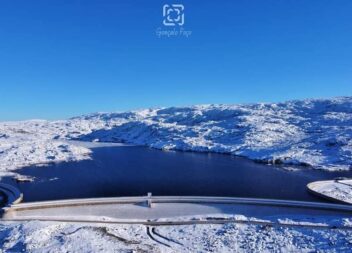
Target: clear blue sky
<point x="62" y="58"/>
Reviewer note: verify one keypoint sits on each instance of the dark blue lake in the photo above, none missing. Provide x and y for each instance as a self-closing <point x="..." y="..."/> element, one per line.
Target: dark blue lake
<point x="135" y="170"/>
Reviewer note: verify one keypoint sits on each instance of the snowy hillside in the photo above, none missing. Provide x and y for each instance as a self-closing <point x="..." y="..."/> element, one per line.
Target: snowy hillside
<point x="286" y="236"/>
<point x="316" y="133"/>
<point x="311" y="132"/>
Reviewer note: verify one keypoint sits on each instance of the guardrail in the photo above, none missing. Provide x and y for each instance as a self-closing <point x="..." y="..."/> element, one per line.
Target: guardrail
<point x="177" y="199"/>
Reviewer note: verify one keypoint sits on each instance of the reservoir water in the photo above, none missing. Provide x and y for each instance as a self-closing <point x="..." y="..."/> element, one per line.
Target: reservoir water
<point x="134" y="170"/>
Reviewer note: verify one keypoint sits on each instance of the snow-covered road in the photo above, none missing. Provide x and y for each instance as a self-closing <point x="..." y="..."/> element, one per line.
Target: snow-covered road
<point x="128" y="225"/>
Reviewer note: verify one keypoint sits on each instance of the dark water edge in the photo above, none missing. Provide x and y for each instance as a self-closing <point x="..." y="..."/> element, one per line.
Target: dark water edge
<point x="134" y="171"/>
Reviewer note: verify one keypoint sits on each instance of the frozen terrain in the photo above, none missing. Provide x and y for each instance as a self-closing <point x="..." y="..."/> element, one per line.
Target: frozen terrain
<point x="33" y="143"/>
<point x="35" y="236"/>
<point x="340" y="190"/>
<point x="315" y="133"/>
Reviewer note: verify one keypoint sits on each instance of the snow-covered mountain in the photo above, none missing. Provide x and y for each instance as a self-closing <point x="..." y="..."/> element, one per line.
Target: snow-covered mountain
<point x="316" y="133"/>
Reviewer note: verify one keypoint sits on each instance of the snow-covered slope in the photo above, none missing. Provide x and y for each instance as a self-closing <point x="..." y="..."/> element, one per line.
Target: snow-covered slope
<point x="317" y="133"/>
<point x="33" y="142"/>
<point x="310" y="132"/>
<point x="36" y="236"/>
